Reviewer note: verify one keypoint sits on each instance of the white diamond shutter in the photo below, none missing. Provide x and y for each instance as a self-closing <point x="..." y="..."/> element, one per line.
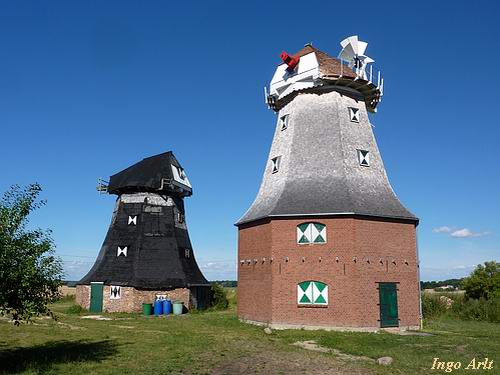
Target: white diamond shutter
<point x="312" y="293"/>
<point x="122" y="251"/>
<point x="304" y="293"/>
<point x="318" y="232"/>
<point x="303" y="233"/>
<point x="115" y="292"/>
<point x="320" y="293"/>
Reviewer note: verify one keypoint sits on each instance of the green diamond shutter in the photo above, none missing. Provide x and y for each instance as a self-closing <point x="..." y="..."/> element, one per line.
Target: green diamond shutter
<point x="303" y="233"/>
<point x="304" y="293"/>
<point x="319" y="233"/>
<point x="320" y="293"/>
<point x="312" y="293"/>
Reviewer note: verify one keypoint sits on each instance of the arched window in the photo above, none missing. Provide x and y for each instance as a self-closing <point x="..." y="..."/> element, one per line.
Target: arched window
<point x="308" y="233"/>
<point x="312" y="293"/>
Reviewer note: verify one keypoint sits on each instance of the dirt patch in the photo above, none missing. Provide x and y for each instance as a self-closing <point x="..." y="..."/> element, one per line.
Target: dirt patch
<point x="70" y="326"/>
<point x="270" y="359"/>
<point x="95" y="317"/>
<point x="412" y="333"/>
<point x="312" y="345"/>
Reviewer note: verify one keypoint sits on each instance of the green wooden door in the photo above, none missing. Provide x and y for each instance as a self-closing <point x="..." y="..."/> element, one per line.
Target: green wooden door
<point x="96" y="297"/>
<point x="388" y="305"/>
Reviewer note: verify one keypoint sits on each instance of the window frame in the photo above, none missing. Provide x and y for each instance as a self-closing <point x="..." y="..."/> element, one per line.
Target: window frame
<point x="353" y="116"/>
<point x="118" y="294"/>
<point x="275" y="164"/>
<point x="360" y="157"/>
<point x="283" y="120"/>
<point x="309" y="293"/>
<point x="121" y="251"/>
<point x="310" y="225"/>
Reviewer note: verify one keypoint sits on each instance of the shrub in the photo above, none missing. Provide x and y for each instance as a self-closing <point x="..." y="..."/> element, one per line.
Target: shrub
<point x="75" y="309"/>
<point x="494" y="310"/>
<point x="478" y="309"/>
<point x="219" y="297"/>
<point x="432" y="306"/>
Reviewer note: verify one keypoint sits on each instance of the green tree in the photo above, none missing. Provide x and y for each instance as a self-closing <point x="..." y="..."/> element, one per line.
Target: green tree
<point x="483" y="282"/>
<point x="30" y="273"/>
<point x="219" y="297"/>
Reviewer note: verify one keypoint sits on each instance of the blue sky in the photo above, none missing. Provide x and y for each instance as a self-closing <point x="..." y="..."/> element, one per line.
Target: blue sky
<point x="89" y="87"/>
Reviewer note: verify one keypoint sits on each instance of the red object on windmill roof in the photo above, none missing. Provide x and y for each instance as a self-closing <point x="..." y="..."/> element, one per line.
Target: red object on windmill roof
<point x="289" y="60"/>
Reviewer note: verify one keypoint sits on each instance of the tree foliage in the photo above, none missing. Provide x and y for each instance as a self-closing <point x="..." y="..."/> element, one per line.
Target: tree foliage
<point x="483" y="282"/>
<point x="219" y="297"/>
<point x="30" y="273"/>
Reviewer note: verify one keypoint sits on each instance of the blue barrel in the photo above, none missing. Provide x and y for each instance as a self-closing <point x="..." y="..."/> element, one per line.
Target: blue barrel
<point x="167" y="307"/>
<point x="158" y="307"/>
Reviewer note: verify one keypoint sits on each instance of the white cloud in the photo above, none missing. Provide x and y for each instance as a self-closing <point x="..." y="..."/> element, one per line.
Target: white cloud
<point x="75" y="269"/>
<point x="442" y="230"/>
<point x="219" y="270"/>
<point x="465" y="232"/>
<point x="459" y="233"/>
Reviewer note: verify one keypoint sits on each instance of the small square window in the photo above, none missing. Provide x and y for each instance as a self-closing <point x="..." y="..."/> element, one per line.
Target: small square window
<point x="284" y="122"/>
<point x="180" y="217"/>
<point x="132" y="220"/>
<point x="364" y="158"/>
<point x="122" y="251"/>
<point x="275" y="164"/>
<point x="115" y="292"/>
<point x="354" y="114"/>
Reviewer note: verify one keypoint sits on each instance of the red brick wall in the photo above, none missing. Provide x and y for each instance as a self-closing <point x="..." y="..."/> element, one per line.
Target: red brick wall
<point x="352" y="279"/>
<point x="255" y="279"/>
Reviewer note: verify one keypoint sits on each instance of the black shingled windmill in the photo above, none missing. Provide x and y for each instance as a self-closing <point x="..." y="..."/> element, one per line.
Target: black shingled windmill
<point x="147" y="251"/>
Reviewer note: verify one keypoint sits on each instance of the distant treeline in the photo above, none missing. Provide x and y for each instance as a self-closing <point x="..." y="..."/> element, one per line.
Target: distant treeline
<point x="226" y="283"/>
<point x="437" y="284"/>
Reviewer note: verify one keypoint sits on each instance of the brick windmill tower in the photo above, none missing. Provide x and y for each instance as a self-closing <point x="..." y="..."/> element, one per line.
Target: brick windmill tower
<point x="147" y="252"/>
<point x="327" y="243"/>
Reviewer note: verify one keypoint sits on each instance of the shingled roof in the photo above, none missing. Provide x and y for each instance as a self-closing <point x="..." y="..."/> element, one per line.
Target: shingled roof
<point x="328" y="65"/>
<point x="150" y="174"/>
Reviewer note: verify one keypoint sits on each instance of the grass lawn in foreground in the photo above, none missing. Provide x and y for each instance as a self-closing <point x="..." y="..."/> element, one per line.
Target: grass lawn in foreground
<point x="217" y="343"/>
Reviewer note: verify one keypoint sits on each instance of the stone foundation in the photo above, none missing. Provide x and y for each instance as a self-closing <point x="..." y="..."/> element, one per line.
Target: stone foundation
<point x="131" y="299"/>
<point x="305" y="327"/>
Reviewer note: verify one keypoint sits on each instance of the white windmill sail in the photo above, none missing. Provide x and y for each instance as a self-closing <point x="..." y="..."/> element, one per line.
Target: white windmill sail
<point x="353" y="52"/>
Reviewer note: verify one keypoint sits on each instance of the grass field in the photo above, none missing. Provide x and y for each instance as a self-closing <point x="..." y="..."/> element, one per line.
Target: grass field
<point x="217" y="343"/>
